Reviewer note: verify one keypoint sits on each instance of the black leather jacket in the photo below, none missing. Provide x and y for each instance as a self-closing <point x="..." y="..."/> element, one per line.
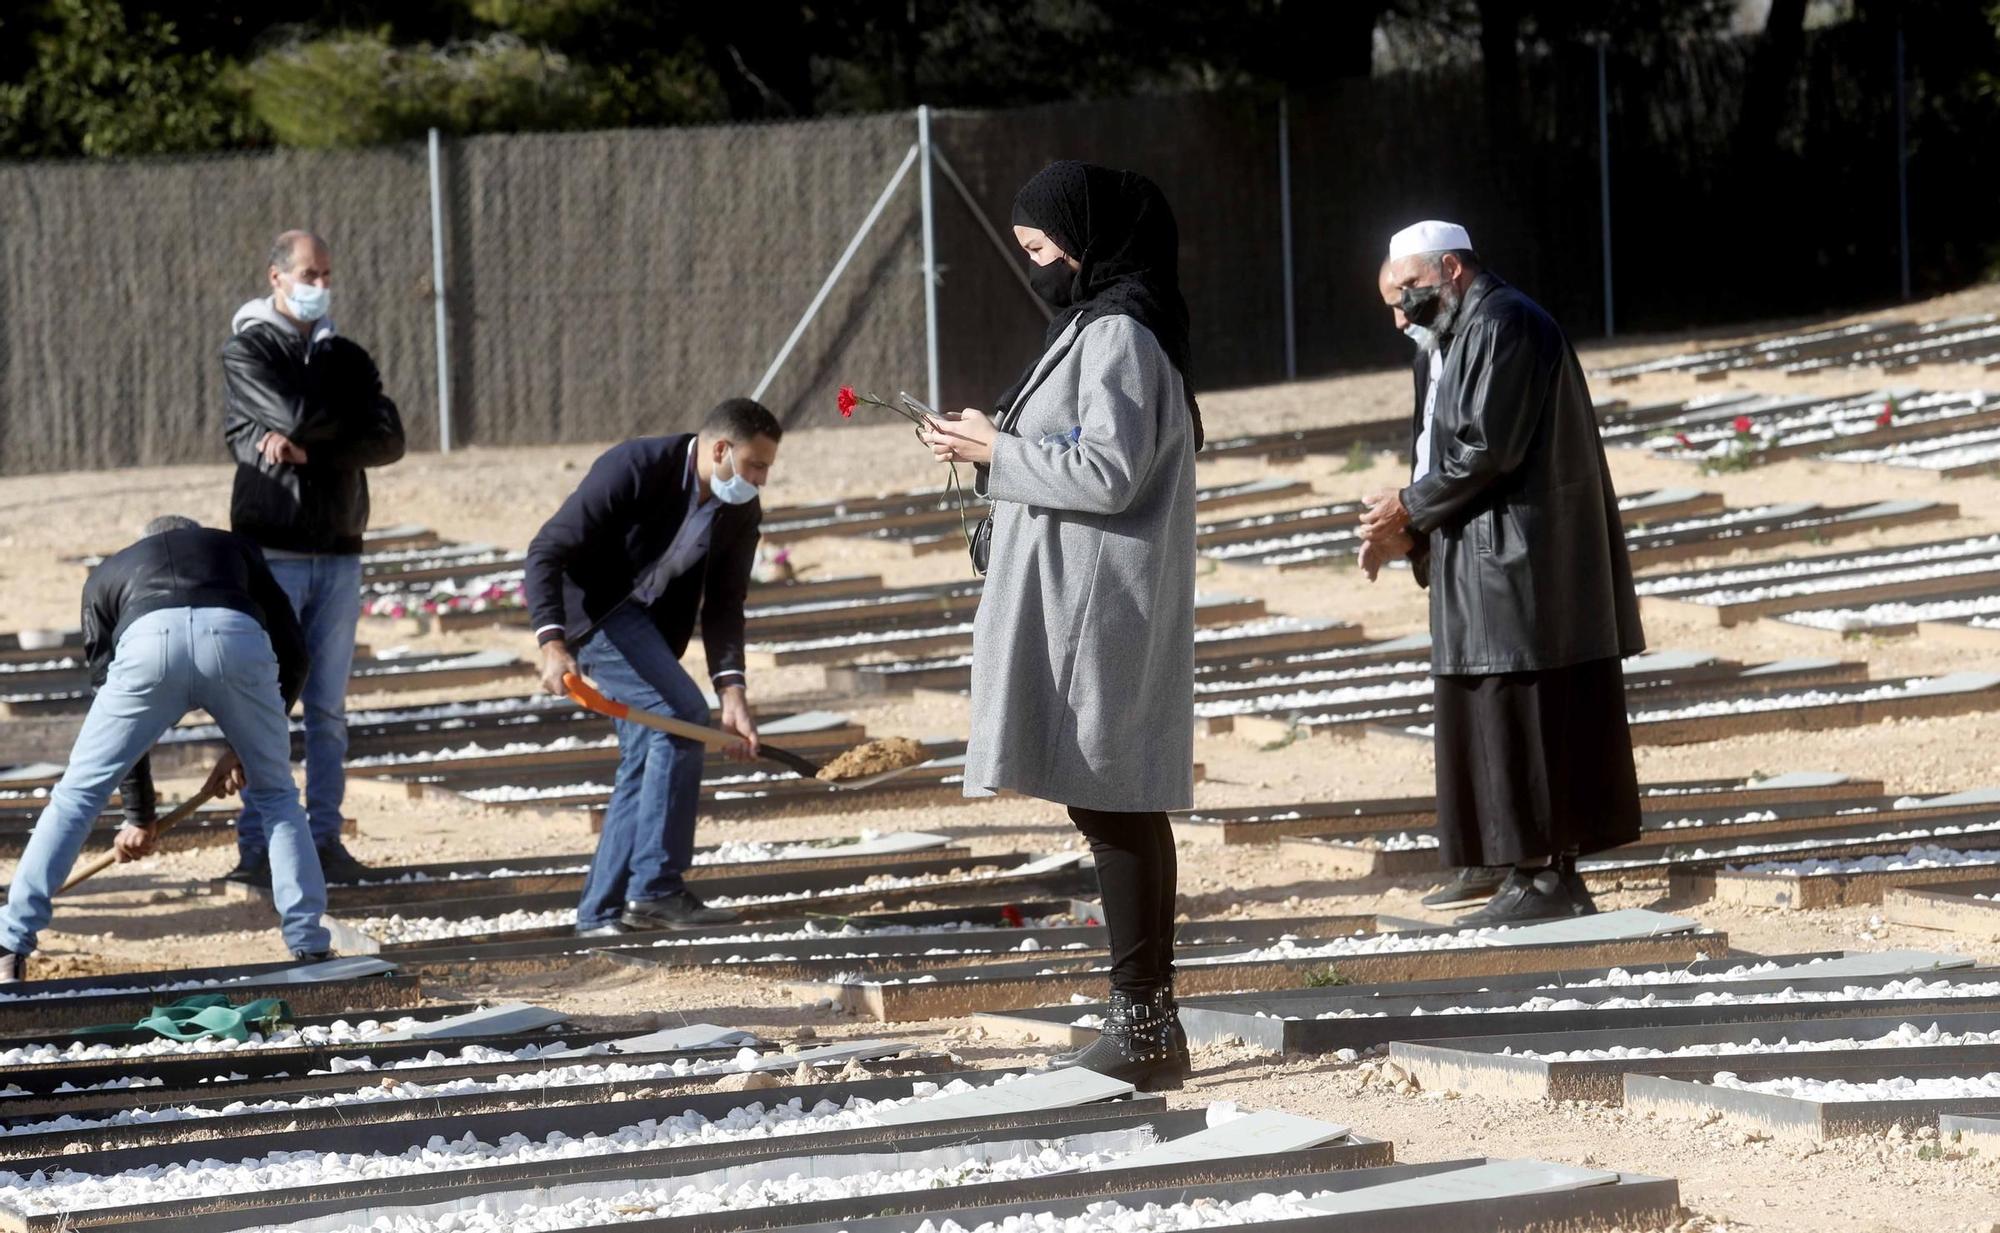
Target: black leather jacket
<point x="325" y="396"/>
<point x="198" y="568"/>
<point x="1520" y="539"/>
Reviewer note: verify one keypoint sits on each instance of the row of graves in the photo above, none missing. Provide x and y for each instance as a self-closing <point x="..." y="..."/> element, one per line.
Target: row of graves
<point x="361" y="1094"/>
<point x="1947" y="434"/>
<point x="357" y="1095"/>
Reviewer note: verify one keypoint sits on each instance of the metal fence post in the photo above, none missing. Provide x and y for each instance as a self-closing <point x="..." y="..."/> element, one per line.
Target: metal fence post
<point x="1902" y="163"/>
<point x="437" y="299"/>
<point x="924" y="160"/>
<point x="1285" y="235"/>
<point x="1604" y="178"/>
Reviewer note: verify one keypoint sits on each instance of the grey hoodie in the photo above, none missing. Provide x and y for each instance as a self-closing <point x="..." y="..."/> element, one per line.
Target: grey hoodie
<point x="265" y="309"/>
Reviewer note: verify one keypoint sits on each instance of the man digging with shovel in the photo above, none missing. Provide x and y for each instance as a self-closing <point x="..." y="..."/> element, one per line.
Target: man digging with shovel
<point x="661" y="531"/>
<point x="186" y="617"/>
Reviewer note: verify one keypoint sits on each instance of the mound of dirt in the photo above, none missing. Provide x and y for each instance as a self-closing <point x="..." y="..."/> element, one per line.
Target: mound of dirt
<point x="873" y="758"/>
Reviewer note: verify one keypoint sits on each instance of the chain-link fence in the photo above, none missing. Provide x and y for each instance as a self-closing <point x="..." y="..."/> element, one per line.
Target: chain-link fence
<point x="601" y="285"/>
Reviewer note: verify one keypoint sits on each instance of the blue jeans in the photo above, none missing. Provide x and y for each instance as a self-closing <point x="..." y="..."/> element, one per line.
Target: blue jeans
<point x="326" y="596"/>
<point x="168" y="663"/>
<point x="648" y="838"/>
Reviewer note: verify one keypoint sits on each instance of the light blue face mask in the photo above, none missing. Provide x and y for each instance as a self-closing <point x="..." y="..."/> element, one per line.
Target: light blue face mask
<point x="732" y="491"/>
<point x="309" y="303"/>
<point x="1424" y="338"/>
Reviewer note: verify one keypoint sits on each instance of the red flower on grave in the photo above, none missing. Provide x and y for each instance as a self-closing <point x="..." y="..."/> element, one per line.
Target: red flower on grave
<point x="1010" y="916"/>
<point x="1743" y="423"/>
<point x="847" y="402"/>
<point x="1685" y="442"/>
<point x="1888" y="415"/>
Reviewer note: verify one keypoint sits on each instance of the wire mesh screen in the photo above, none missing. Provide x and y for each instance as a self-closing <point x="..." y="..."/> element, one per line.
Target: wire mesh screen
<point x="1215" y="158"/>
<point x="606" y="284"/>
<point x="118" y="282"/>
<point x="620" y="283"/>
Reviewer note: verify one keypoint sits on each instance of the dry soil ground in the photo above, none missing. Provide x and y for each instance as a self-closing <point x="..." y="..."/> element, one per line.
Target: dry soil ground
<point x="156" y="915"/>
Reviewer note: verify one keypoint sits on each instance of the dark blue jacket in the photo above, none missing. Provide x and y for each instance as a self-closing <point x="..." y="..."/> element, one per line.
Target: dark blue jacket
<point x="586" y="559"/>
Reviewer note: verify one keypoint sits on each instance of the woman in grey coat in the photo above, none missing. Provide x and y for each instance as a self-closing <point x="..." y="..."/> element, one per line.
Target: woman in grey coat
<point x="1083" y="651"/>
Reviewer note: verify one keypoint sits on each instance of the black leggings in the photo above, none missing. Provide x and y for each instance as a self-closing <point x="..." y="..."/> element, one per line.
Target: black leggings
<point x="1136" y="871"/>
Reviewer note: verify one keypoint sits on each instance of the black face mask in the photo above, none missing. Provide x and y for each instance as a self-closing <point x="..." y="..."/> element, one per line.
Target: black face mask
<point x="1054" y="282"/>
<point x="1420" y="305"/>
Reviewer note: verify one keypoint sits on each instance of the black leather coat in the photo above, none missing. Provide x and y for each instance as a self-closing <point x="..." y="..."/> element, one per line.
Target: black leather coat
<point x="1526" y="564"/>
<point x="330" y="403"/>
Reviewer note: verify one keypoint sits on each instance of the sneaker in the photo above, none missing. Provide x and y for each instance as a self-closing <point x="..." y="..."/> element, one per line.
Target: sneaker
<point x="609" y="929"/>
<point x="1472" y="884"/>
<point x="252" y="869"/>
<point x="13" y="967"/>
<point x="339" y="867"/>
<point x="680" y="910"/>
<point x="1524" y="898"/>
<point x="312" y="956"/>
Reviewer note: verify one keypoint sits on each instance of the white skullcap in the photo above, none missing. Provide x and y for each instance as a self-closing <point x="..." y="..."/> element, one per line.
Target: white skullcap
<point x="1429" y="236"/>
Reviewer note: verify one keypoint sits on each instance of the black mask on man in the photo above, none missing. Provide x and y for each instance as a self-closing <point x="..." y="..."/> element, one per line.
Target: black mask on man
<point x="1054" y="282"/>
<point x="1420" y="305"/>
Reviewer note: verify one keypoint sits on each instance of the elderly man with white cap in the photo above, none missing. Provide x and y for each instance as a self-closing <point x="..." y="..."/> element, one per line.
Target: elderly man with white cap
<point x="1511" y="522"/>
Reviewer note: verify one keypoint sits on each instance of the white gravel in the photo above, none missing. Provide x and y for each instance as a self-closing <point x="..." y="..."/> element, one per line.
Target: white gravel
<point x="1906" y="1036"/>
<point x="1777" y="847"/>
<point x="579" y="1074"/>
<point x="399" y="928"/>
<point x="1914" y="987"/>
<point x="1840" y="620"/>
<point x="1783" y="702"/>
<point x="1836" y="1091"/>
<point x="1920" y="856"/>
<point x="1300" y="699"/>
<point x="1855" y="563"/>
<point x="1822" y="584"/>
<point x="476" y="750"/>
<point x="59" y="1190"/>
<point x="339" y="1032"/>
<point x="764" y="1186"/>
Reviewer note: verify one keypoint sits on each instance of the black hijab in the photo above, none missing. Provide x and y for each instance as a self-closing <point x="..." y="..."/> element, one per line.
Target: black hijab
<point x="1119" y="226"/>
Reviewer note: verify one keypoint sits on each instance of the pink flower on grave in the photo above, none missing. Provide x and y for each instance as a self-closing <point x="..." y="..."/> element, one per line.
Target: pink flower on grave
<point x="1742" y="424"/>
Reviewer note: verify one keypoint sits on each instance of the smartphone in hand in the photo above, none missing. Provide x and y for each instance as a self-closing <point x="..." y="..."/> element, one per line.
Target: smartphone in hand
<point x="918" y="405"/>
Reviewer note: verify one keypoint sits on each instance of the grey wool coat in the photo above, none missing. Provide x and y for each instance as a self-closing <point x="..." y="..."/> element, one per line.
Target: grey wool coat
<point x="1083" y="650"/>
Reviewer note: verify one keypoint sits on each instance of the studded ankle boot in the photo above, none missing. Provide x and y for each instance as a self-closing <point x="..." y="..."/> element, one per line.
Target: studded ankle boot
<point x="1170" y="1014"/>
<point x="1134" y="1045"/>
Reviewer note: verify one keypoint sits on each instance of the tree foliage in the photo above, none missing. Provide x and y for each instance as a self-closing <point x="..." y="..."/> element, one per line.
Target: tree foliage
<point x="118" y="77"/>
<point x="361" y="89"/>
<point x="97" y="81"/>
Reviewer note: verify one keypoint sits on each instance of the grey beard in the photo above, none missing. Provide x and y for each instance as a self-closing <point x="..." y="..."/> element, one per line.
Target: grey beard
<point x="1426" y="340"/>
<point x="1449" y="302"/>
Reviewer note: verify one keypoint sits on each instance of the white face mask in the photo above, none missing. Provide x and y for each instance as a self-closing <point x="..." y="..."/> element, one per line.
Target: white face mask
<point x="1427" y="339"/>
<point x="732" y="491"/>
<point x="309" y="303"/>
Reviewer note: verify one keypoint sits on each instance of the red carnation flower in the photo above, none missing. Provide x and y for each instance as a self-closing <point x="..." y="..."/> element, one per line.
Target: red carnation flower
<point x="1010" y="916"/>
<point x="1743" y="423"/>
<point x="1685" y="441"/>
<point x="1887" y="417"/>
<point x="847" y="402"/>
